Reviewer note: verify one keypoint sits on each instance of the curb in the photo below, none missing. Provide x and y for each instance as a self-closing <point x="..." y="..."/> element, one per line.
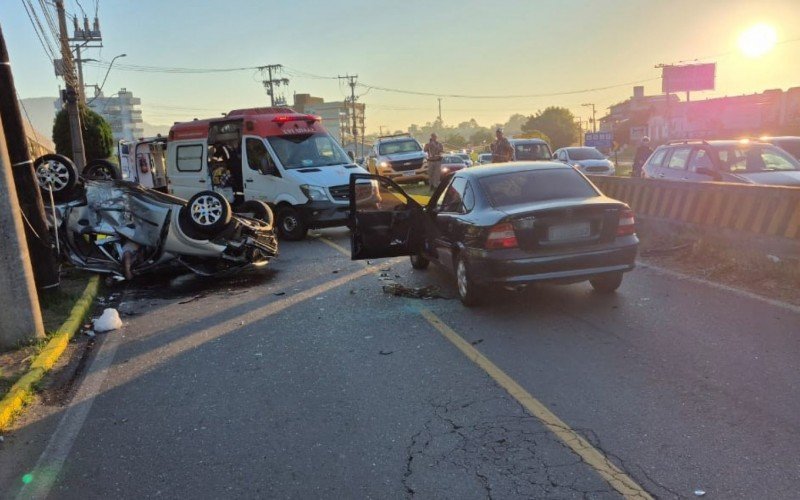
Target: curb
<point x="13" y="402"/>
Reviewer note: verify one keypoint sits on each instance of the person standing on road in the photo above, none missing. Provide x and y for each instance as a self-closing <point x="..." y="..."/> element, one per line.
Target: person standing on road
<point x="502" y="150"/>
<point x="434" y="150"/>
<point x="643" y="152"/>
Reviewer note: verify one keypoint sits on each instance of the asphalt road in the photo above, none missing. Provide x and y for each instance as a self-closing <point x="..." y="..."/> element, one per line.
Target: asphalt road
<point x="305" y="380"/>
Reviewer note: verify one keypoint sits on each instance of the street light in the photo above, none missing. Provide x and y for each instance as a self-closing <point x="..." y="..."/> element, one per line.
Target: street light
<point x="100" y="89"/>
<point x="594" y="121"/>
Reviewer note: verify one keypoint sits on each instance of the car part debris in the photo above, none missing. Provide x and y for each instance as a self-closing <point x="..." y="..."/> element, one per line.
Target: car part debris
<point x="699" y="493"/>
<point x="423" y="292"/>
<point x="107" y="321"/>
<point x="385" y="353"/>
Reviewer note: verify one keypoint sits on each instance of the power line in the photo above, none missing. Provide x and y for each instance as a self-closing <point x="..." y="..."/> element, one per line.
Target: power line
<point x="513" y="96"/>
<point x="167" y="69"/>
<point x="41" y="35"/>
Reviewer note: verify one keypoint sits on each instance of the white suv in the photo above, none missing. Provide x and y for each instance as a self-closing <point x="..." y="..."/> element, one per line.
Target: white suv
<point x="398" y="157"/>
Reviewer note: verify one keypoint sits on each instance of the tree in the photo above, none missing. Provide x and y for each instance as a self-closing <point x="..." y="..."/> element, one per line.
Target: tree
<point x="514" y="124"/>
<point x="98" y="138"/>
<point x="480" y="136"/>
<point x="556" y="123"/>
<point x="455" y="141"/>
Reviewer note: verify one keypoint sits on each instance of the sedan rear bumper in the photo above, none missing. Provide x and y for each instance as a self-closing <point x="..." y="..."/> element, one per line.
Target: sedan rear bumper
<point x="512" y="268"/>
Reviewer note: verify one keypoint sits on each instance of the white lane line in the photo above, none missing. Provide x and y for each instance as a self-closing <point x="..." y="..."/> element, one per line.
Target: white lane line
<point x="719" y="286"/>
<point x="49" y="465"/>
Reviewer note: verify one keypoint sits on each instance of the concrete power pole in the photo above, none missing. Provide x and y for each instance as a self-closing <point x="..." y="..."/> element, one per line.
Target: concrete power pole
<point x="85" y="38"/>
<point x="594" y="116"/>
<point x="20" y="316"/>
<point x="27" y="192"/>
<point x="72" y="93"/>
<point x="352" y="81"/>
<point x="440" y="109"/>
<point x="270" y="84"/>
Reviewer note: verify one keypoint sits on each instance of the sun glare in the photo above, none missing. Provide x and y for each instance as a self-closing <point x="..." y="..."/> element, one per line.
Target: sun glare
<point x="757" y="40"/>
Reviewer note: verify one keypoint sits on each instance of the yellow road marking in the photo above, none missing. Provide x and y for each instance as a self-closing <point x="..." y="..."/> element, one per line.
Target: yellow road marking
<point x="339" y="248"/>
<point x="619" y="480"/>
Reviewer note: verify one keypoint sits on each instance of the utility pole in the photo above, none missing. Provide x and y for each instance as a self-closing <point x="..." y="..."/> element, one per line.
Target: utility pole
<point x="352" y="81"/>
<point x="20" y="316"/>
<point x="27" y="196"/>
<point x="70" y="95"/>
<point x="440" y="109"/>
<point x="594" y="116"/>
<point x="270" y="84"/>
<point x="85" y="37"/>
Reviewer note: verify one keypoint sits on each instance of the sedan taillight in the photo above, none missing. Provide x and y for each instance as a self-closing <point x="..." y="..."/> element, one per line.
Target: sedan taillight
<point x="627" y="225"/>
<point x="501" y="236"/>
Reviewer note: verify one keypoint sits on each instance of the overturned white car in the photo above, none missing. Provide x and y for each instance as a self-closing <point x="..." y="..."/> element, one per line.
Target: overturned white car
<point x="121" y="228"/>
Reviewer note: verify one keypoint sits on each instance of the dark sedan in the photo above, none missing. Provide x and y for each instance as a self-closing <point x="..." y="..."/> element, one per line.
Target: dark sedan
<point x="509" y="225"/>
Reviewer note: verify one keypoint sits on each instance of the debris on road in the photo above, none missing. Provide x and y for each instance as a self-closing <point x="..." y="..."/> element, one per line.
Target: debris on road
<point x="196" y="297"/>
<point x="422" y="292"/>
<point x="385" y="353"/>
<point x="667" y="250"/>
<point x="699" y="493"/>
<point x="476" y="342"/>
<point x="774" y="258"/>
<point x="107" y="321"/>
<point x="278" y="294"/>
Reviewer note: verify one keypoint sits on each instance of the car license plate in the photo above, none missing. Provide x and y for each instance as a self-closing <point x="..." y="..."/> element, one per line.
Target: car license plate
<point x="569" y="231"/>
<point x="409" y="173"/>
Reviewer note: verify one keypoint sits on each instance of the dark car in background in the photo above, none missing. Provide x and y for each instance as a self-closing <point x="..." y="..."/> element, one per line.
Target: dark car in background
<point x="452" y="163"/>
<point x="740" y="161"/>
<point x="506" y="225"/>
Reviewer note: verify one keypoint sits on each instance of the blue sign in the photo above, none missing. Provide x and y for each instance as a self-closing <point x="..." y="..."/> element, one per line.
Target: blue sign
<point x="599" y="139"/>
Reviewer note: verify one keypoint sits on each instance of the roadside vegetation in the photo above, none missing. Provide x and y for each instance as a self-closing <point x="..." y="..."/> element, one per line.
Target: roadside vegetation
<point x="56" y="306"/>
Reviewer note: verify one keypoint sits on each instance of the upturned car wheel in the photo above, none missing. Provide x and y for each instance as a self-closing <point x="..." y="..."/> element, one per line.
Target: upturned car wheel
<point x="290" y="225"/>
<point x="419" y="262"/>
<point x="208" y="212"/>
<point x="607" y="283"/>
<point x="56" y="172"/>
<point x="256" y="210"/>
<point x="469" y="292"/>
<point x="101" y="170"/>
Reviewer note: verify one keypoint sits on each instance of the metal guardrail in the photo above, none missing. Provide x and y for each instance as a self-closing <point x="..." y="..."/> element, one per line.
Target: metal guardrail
<point x="763" y="210"/>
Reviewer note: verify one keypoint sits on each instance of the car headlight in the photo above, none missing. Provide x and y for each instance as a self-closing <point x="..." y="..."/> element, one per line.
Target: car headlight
<point x="445" y="170"/>
<point x="576" y="165"/>
<point x="385" y="164"/>
<point x="314" y="193"/>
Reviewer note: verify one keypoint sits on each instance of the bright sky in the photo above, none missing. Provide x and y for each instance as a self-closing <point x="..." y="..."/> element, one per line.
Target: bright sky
<point x="500" y="47"/>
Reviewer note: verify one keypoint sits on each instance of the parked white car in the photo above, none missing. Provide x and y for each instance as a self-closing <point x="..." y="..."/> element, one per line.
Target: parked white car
<point x="588" y="160"/>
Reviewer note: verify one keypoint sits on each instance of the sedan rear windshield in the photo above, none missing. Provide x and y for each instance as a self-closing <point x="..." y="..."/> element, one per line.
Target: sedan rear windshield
<point x="530" y="186"/>
<point x="395" y="147"/>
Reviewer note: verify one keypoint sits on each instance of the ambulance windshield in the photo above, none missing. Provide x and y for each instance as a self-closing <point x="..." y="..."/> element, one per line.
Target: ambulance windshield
<point x="308" y="150"/>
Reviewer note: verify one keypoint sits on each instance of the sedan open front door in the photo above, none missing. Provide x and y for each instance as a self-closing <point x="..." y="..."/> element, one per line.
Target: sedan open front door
<point x="384" y="220"/>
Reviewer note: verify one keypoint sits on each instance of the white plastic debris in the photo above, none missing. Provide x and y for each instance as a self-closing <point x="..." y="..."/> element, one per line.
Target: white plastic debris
<point x="107" y="321"/>
<point x="699" y="493"/>
<point x="774" y="258"/>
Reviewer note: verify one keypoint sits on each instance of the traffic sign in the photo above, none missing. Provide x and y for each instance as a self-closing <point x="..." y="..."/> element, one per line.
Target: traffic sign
<point x="599" y="139"/>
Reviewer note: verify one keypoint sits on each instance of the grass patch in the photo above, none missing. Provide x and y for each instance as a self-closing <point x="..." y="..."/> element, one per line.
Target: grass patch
<point x="720" y="259"/>
<point x="56" y="306"/>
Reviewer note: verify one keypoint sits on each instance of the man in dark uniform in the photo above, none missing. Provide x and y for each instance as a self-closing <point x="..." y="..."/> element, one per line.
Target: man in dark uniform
<point x="643" y="152"/>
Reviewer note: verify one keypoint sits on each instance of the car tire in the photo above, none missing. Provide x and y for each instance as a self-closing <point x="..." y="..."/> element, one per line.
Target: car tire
<point x="101" y="170"/>
<point x="419" y="262"/>
<point x="607" y="283"/>
<point x="207" y="212"/>
<point x="58" y="172"/>
<point x="470" y="293"/>
<point x="291" y="226"/>
<point x="256" y="209"/>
